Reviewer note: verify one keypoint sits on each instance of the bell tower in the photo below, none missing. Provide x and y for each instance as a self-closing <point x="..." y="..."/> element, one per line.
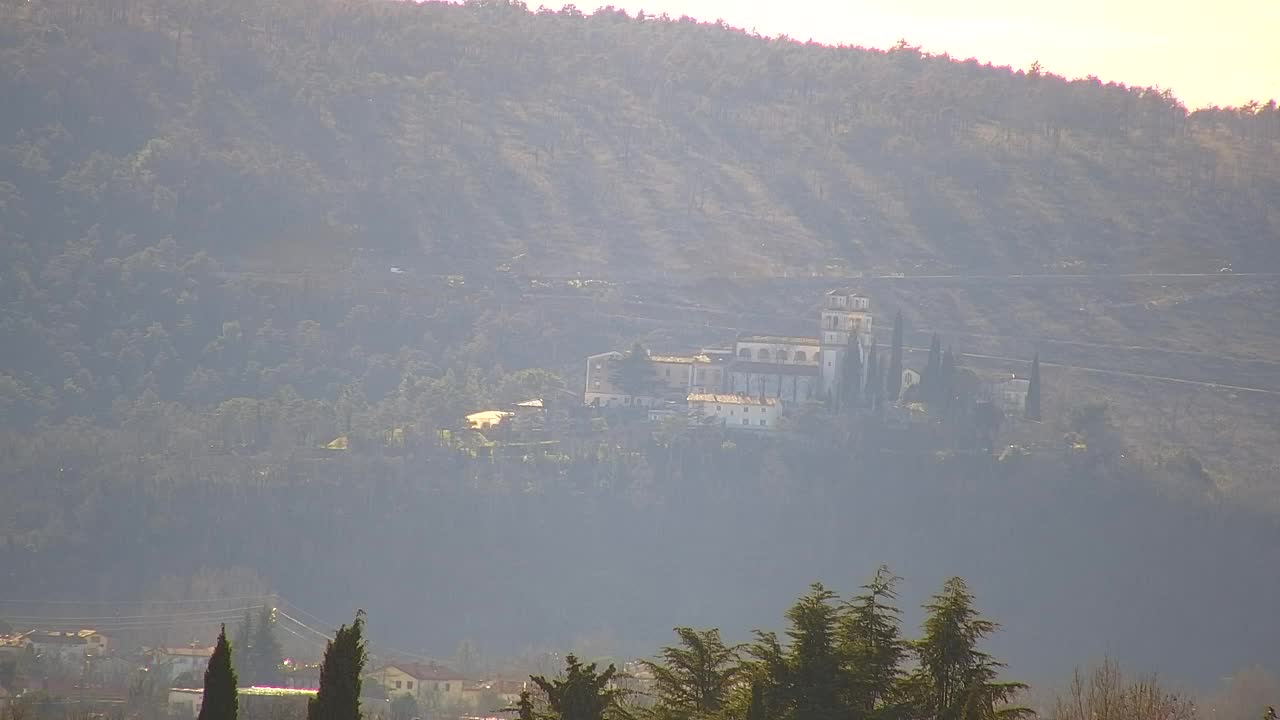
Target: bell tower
<point x="845" y="317"/>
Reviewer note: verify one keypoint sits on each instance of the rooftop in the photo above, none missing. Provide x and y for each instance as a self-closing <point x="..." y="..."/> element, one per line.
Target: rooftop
<point x="426" y="671"/>
<point x="685" y="359"/>
<point x="778" y="340"/>
<point x="723" y="399"/>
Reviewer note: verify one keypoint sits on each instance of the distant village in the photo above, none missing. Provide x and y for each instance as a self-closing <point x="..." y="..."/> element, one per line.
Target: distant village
<point x="95" y="669"/>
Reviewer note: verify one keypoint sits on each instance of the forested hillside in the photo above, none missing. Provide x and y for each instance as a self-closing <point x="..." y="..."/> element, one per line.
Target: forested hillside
<point x="232" y="232"/>
<point x="449" y="135"/>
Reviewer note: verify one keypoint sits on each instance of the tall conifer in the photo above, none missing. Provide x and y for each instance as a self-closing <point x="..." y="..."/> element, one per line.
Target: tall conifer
<point x="344" y="658"/>
<point x="1033" y="391"/>
<point x="929" y="378"/>
<point x="872" y="644"/>
<point x="956" y="680"/>
<point x="894" y="388"/>
<point x="219" y="701"/>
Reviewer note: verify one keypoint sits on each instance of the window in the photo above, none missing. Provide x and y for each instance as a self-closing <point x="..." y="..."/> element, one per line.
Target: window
<point x="409" y="685"/>
<point x="762" y="354"/>
<point x="763" y="422"/>
<point x="801" y="357"/>
<point x="397" y="684"/>
<point x="718" y="408"/>
<point x="745" y="353"/>
<point x="746" y="421"/>
<point x="446" y="687"/>
<point x="782" y="356"/>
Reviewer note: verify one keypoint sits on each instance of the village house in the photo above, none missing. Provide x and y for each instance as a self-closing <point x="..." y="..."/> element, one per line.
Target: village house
<point x="500" y="693"/>
<point x="71" y="645"/>
<point x="176" y="661"/>
<point x="424" y="681"/>
<point x="1009" y="393"/>
<point x="736" y="412"/>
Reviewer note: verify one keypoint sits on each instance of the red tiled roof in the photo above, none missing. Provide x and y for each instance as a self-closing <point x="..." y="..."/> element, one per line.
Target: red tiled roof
<point x="427" y="671"/>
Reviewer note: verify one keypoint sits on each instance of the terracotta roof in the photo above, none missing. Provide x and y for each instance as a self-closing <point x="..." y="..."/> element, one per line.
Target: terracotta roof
<point x="187" y="652"/>
<point x="779" y="339"/>
<point x="426" y="671"/>
<point x="724" y="399"/>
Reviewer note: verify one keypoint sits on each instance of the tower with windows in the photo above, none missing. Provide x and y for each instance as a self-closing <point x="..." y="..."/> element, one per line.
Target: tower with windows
<point x="845" y="326"/>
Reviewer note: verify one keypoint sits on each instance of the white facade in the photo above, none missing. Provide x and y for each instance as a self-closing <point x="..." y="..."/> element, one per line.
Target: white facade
<point x="1011" y="395"/>
<point x="845" y="319"/>
<point x="737" y="412"/>
<point x="777" y="349"/>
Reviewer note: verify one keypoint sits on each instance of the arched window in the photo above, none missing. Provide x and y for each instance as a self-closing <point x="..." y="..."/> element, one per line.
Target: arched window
<point x="745" y="353"/>
<point x="801" y="357"/>
<point x="782" y="356"/>
<point x="762" y="354"/>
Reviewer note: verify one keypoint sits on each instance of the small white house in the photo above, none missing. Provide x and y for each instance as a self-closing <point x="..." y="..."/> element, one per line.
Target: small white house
<point x="737" y="412"/>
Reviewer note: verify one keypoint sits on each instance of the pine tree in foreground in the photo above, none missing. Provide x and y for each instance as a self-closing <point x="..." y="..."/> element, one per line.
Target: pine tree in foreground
<point x="955" y="679"/>
<point x="582" y="694"/>
<point x="219" y="701"/>
<point x="344" y="658"/>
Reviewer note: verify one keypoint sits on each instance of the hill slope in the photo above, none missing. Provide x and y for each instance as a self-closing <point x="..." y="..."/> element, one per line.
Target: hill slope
<point x="450" y="136"/>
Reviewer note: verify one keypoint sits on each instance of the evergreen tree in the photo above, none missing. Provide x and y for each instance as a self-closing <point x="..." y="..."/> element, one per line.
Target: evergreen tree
<point x="894" y="389"/>
<point x="875" y="381"/>
<point x="583" y="693"/>
<point x="929" y="378"/>
<point x="266" y="652"/>
<point x="219" y="701"/>
<point x="757" y="709"/>
<point x="693" y="679"/>
<point x="340" y="671"/>
<point x="872" y="646"/>
<point x="851" y="376"/>
<point x="1033" y="391"/>
<point x="955" y="679"/>
<point x="243" y="644"/>
<point x="815" y="678"/>
<point x="524" y="707"/>
<point x="945" y="390"/>
<point x="635" y="375"/>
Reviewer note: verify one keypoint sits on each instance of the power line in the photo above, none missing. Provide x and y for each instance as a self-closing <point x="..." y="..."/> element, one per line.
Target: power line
<point x="114" y="618"/>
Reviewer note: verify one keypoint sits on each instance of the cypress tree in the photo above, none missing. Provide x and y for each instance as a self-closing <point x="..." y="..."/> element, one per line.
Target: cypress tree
<point x="929" y="378"/>
<point x="875" y="382"/>
<point x="895" y="361"/>
<point x="219" y="701"/>
<point x="851" y="376"/>
<point x="946" y="379"/>
<point x="1033" y="391"/>
<point x="344" y="658"/>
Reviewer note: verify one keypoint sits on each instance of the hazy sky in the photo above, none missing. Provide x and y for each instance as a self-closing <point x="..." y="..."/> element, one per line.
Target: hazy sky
<point x="1209" y="51"/>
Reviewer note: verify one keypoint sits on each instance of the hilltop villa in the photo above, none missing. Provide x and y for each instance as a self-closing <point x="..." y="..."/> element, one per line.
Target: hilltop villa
<point x="773" y="370"/>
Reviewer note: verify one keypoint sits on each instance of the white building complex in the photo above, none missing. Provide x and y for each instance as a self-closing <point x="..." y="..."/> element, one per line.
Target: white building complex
<point x="764" y="372"/>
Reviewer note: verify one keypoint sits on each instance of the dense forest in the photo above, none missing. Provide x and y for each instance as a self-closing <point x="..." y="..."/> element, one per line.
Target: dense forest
<point x="201" y="204"/>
